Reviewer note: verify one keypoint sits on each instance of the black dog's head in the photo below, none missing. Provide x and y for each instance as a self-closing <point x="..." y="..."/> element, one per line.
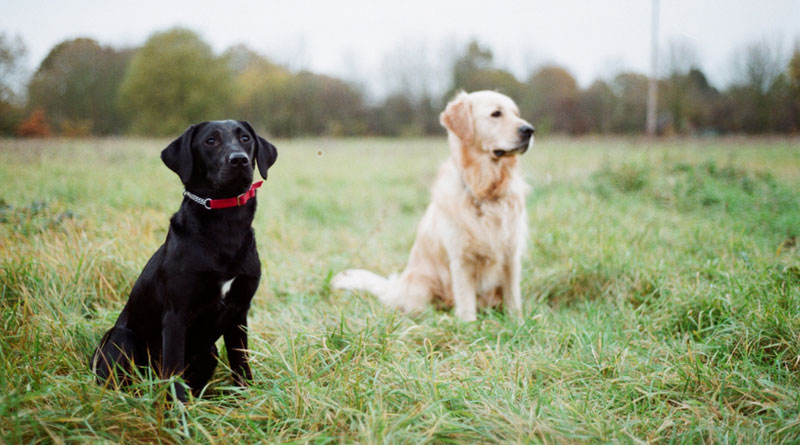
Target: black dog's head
<point x="216" y="158"/>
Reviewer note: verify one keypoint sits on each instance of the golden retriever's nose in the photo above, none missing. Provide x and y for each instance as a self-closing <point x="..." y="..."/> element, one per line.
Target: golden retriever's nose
<point x="526" y="131"/>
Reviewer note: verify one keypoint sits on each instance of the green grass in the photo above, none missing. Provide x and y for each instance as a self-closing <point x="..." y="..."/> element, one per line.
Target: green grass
<point x="661" y="289"/>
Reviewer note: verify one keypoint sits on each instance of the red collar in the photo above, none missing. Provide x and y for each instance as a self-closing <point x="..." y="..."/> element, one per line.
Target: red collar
<point x="236" y="201"/>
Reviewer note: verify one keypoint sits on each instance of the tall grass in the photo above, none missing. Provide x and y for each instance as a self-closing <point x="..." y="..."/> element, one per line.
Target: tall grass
<point x="661" y="288"/>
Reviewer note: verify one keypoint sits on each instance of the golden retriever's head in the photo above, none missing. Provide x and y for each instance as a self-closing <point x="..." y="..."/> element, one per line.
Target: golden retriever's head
<point x="488" y="121"/>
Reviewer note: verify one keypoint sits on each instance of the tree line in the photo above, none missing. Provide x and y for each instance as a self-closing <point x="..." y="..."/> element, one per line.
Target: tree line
<point x="85" y="88"/>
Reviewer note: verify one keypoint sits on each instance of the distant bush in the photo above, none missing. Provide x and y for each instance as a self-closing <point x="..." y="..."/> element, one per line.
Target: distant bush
<point x="35" y="126"/>
<point x="11" y="117"/>
<point x="627" y="177"/>
<point x="77" y="128"/>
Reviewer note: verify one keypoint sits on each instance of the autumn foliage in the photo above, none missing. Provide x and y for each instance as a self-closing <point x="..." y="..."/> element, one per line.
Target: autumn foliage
<point x="35" y="125"/>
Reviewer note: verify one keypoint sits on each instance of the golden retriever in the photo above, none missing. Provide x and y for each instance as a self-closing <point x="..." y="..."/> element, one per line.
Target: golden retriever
<point x="470" y="240"/>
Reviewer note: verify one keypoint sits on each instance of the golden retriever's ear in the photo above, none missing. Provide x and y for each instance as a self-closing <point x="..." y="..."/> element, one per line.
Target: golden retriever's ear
<point x="457" y="117"/>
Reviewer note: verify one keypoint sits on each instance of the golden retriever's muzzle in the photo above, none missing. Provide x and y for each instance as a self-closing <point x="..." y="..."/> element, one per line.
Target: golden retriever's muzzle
<point x="525" y="134"/>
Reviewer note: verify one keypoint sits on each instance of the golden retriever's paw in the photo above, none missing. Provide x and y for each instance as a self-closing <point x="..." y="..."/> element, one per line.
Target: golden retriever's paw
<point x="517" y="318"/>
<point x="514" y="313"/>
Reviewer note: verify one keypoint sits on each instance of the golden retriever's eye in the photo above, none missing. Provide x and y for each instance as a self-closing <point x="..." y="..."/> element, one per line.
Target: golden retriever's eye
<point x="497" y="113"/>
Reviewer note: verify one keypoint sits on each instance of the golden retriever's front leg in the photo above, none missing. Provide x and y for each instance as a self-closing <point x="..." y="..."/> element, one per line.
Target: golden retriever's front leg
<point x="463" y="291"/>
<point x="512" y="296"/>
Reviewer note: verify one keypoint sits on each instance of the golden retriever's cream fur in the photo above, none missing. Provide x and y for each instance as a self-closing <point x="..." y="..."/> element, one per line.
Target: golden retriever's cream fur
<point x="471" y="238"/>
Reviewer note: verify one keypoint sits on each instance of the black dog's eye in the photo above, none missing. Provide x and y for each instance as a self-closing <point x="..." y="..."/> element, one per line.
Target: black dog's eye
<point x="497" y="113"/>
<point x="245" y="138"/>
<point x="211" y="141"/>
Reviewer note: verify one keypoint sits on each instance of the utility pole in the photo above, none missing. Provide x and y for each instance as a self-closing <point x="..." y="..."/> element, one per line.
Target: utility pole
<point x="652" y="89"/>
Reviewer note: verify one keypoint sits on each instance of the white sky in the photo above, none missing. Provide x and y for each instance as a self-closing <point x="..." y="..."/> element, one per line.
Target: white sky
<point x="359" y="40"/>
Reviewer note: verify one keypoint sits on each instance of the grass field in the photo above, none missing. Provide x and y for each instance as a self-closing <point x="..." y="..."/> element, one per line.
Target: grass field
<point x="661" y="295"/>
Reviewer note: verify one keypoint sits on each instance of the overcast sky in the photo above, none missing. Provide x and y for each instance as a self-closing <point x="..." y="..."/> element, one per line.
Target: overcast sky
<point x="360" y="40"/>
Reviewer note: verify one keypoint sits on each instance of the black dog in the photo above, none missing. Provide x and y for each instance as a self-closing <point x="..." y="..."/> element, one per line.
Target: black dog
<point x="199" y="283"/>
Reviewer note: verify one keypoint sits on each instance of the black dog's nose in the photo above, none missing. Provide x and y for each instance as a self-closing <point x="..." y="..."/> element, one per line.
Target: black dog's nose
<point x="526" y="131"/>
<point x="238" y="159"/>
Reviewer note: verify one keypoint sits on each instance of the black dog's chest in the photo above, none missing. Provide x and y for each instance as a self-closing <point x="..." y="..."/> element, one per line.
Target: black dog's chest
<point x="204" y="313"/>
<point x="208" y="295"/>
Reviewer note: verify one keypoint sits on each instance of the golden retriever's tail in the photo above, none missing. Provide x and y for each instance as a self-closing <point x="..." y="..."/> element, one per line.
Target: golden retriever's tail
<point x="360" y="279"/>
<point x="397" y="291"/>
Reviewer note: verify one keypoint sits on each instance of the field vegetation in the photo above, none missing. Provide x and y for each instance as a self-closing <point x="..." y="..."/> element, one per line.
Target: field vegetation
<point x="661" y="298"/>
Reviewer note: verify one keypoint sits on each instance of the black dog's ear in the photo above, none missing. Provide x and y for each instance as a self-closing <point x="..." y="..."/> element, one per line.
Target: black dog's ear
<point x="266" y="153"/>
<point x="178" y="155"/>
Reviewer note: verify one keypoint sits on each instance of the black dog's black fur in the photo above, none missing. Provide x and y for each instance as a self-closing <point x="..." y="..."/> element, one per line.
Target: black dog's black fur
<point x="176" y="310"/>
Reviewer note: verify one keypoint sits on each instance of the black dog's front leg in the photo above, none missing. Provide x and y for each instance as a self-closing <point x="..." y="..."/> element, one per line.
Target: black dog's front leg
<point x="236" y="345"/>
<point x="233" y="324"/>
<point x="173" y="338"/>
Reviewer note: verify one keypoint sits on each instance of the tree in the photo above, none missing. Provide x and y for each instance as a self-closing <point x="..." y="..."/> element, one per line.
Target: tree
<point x="757" y="67"/>
<point x="689" y="99"/>
<point x="77" y="84"/>
<point x="175" y="80"/>
<point x="406" y="70"/>
<point x="794" y="68"/>
<point x="794" y="85"/>
<point x="473" y="71"/>
<point x="11" y="53"/>
<point x="394" y="117"/>
<point x="312" y="104"/>
<point x="597" y="106"/>
<point x="476" y="58"/>
<point x="782" y="106"/>
<point x="257" y="83"/>
<point x="286" y="104"/>
<point x="552" y="99"/>
<point x="630" y="90"/>
<point x="702" y="97"/>
<point x="681" y="58"/>
<point x="325" y="105"/>
<point x="412" y="78"/>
